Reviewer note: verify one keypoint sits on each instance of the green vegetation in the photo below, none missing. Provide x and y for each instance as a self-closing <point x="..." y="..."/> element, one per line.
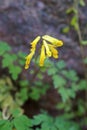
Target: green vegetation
<point x="14" y="95"/>
<point x="16" y="89"/>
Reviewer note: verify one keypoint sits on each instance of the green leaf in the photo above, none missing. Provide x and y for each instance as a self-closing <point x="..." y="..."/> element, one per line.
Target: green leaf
<point x="60" y="105"/>
<point x="69" y="10"/>
<point x="52" y="71"/>
<point x="24" y="94"/>
<point x="82" y="3"/>
<point x="64" y="94"/>
<point x="37" y="129"/>
<point x="8" y="59"/>
<point x="15" y="71"/>
<point x="75" y="87"/>
<point x="40" y="76"/>
<point x="45" y="121"/>
<point x="82" y="85"/>
<point x="40" y="118"/>
<point x="16" y="112"/>
<point x="21" y="55"/>
<point x="63" y="124"/>
<point x="71" y="93"/>
<point x="81" y="107"/>
<point x="84" y="42"/>
<point x="22" y="123"/>
<point x="24" y="83"/>
<point x="85" y="60"/>
<point x="66" y="29"/>
<point x="74" y="22"/>
<point x="4" y="47"/>
<point x="81" y="110"/>
<point x="58" y="81"/>
<point x="5" y="125"/>
<point x="61" y="64"/>
<point x="71" y="75"/>
<point x="48" y="125"/>
<point x="2" y="122"/>
<point x="35" y="93"/>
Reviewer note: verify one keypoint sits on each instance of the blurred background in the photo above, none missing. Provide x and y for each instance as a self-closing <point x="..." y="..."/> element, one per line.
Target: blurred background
<point x="60" y="87"/>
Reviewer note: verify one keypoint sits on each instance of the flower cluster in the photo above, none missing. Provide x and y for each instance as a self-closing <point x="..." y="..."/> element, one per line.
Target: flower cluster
<point x="48" y="49"/>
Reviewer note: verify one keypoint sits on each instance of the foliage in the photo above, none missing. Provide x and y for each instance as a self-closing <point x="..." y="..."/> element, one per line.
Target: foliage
<point x="68" y="84"/>
<point x="74" y="22"/>
<point x="65" y="81"/>
<point x="77" y="86"/>
<point x="14" y="63"/>
<point x="10" y="60"/>
<point x="44" y="121"/>
<point x="39" y="122"/>
<point x="20" y="122"/>
<point x="15" y="89"/>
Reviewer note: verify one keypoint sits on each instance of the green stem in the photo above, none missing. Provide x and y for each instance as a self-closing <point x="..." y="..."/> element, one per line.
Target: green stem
<point x="76" y="3"/>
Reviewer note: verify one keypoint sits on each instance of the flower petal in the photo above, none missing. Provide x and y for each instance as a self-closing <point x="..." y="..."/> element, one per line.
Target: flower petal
<point x="34" y="42"/>
<point x="28" y="59"/>
<point x="48" y="52"/>
<point x="53" y="40"/>
<point x="42" y="56"/>
<point x="55" y="56"/>
<point x="54" y="51"/>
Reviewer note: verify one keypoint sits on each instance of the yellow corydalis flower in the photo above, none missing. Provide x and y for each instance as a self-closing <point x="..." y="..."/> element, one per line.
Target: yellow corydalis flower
<point x="48" y="49"/>
<point x="33" y="48"/>
<point x="42" y="56"/>
<point x="54" y="51"/>
<point x="28" y="59"/>
<point x="34" y="43"/>
<point x="53" y="40"/>
<point x="48" y="52"/>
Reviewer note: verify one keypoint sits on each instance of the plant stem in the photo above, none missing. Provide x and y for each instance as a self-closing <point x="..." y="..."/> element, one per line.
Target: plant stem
<point x="76" y="3"/>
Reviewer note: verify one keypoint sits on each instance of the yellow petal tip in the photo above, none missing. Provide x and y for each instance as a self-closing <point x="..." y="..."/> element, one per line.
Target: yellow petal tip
<point x="26" y="67"/>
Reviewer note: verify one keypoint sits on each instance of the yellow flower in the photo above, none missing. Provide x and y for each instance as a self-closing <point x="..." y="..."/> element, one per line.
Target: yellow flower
<point x="48" y="49"/>
<point x="28" y="59"/>
<point x="42" y="56"/>
<point x="53" y="40"/>
<point x="48" y="52"/>
<point x="34" y="43"/>
<point x="33" y="48"/>
<point x="53" y="50"/>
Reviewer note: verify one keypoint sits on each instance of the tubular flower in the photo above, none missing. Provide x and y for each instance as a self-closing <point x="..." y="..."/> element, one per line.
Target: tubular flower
<point x="28" y="59"/>
<point x="33" y="48"/>
<point x="48" y="49"/>
<point x="53" y="40"/>
<point x="42" y="56"/>
<point x="34" y="43"/>
<point x="53" y="50"/>
<point x="48" y="52"/>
